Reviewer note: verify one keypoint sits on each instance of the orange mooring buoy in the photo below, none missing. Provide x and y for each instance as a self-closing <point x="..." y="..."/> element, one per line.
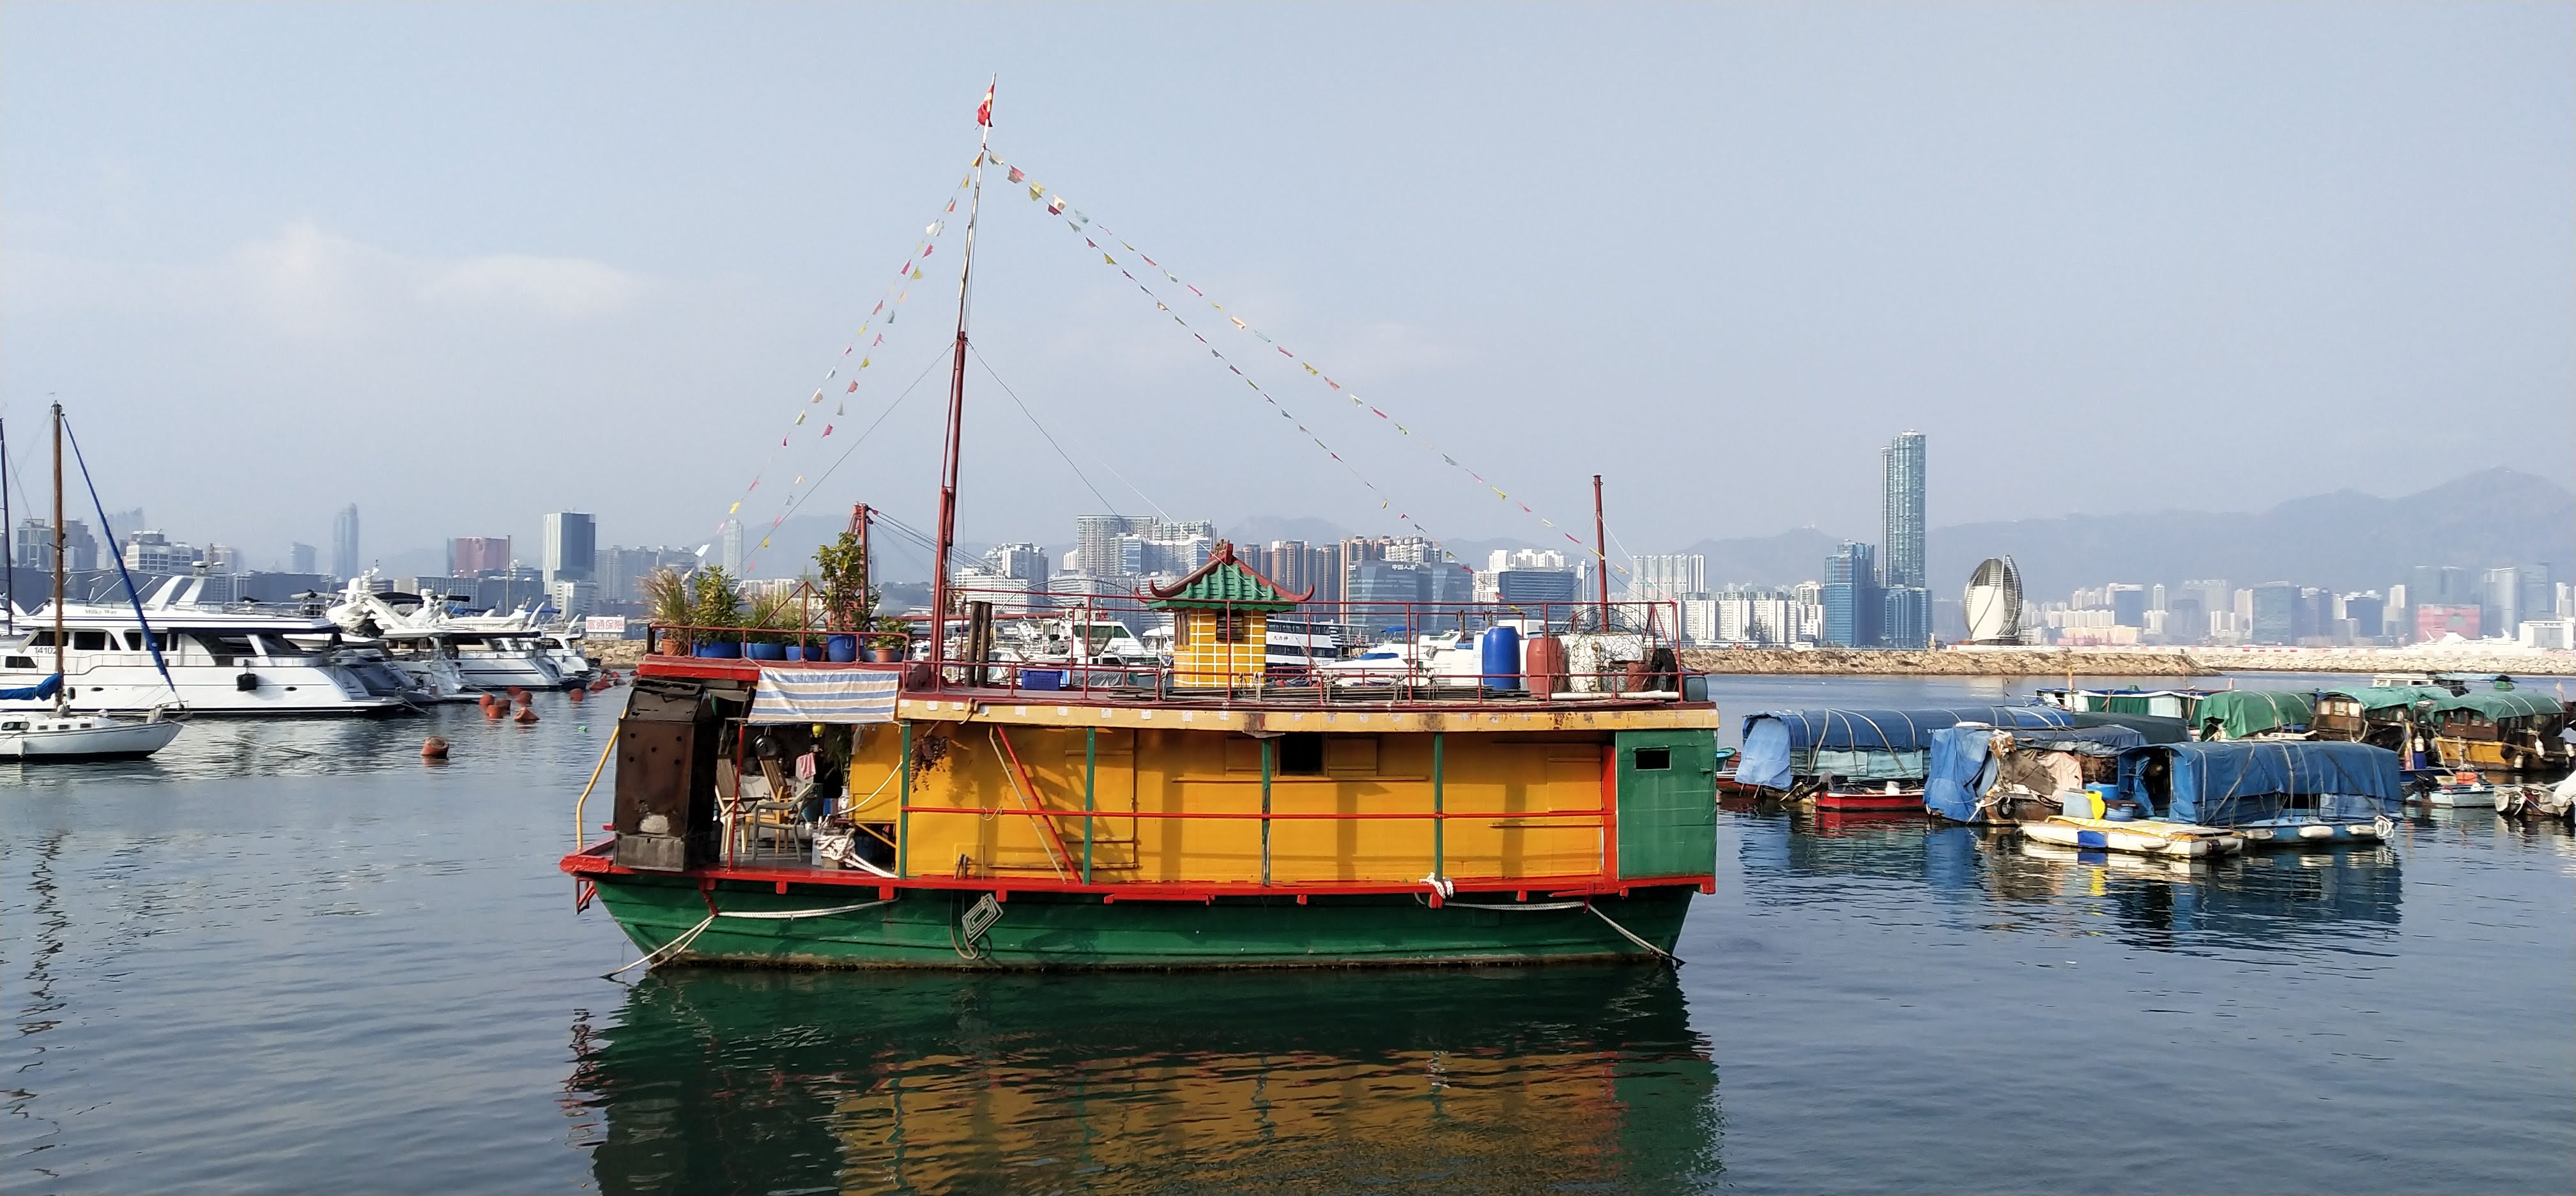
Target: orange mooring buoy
<point x="433" y="748"/>
<point x="575" y="693"/>
<point x="526" y="715"/>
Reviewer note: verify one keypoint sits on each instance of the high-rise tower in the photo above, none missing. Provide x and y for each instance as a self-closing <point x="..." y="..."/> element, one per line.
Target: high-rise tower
<point x="1901" y="511"/>
<point x="344" y="542"/>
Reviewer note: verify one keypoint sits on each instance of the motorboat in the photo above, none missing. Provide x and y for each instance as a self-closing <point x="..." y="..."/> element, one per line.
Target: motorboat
<point x="449" y="656"/>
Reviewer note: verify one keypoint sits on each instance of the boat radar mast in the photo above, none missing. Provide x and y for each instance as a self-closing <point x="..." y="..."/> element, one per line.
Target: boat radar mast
<point x="957" y="406"/>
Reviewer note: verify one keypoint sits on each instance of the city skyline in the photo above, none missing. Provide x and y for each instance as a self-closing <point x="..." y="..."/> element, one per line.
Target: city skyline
<point x="678" y="267"/>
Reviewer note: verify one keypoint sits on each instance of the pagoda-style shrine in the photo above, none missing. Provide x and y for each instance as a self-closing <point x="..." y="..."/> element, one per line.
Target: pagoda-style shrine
<point x="1221" y="621"/>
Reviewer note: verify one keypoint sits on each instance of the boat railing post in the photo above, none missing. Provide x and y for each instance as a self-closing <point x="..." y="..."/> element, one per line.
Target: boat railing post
<point x="1090" y="770"/>
<point x="1439" y="810"/>
<point x="1265" y="808"/>
<point x="903" y="810"/>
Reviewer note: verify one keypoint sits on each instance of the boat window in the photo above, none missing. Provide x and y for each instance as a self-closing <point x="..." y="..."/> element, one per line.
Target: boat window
<point x="16" y="725"/>
<point x="134" y="641"/>
<point x="89" y="641"/>
<point x="1654" y="759"/>
<point x="42" y="639"/>
<point x="1301" y="754"/>
<point x="22" y="662"/>
<point x="225" y="648"/>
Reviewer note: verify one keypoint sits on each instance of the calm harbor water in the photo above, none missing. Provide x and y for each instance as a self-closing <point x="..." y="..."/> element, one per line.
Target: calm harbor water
<point x="289" y="956"/>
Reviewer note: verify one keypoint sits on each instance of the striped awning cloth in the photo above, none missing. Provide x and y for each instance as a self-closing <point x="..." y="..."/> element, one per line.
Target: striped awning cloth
<point x="842" y="696"/>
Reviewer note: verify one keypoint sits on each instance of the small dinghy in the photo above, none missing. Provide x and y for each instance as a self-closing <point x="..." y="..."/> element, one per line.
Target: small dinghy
<point x="2463" y="788"/>
<point x="2141" y="836"/>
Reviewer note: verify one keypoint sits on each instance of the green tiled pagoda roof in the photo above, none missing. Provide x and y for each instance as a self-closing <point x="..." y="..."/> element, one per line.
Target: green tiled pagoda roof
<point x="1224" y="582"/>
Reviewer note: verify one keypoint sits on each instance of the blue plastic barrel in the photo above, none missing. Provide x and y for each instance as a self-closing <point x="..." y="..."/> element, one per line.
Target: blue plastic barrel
<point x="765" y="651"/>
<point x="1502" y="657"/>
<point x="841" y="649"/>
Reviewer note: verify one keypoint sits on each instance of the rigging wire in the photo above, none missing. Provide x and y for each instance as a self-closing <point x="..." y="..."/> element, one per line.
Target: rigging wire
<point x="1111" y="507"/>
<point x="855" y="442"/>
<point x="1075" y="220"/>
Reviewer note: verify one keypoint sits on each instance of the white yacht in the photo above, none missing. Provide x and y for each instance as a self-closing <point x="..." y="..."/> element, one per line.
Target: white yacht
<point x="444" y="652"/>
<point x="222" y="662"/>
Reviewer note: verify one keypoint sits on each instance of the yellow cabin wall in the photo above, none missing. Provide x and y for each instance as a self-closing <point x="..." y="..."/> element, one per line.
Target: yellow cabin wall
<point x="1199" y="660"/>
<point x="1504" y="784"/>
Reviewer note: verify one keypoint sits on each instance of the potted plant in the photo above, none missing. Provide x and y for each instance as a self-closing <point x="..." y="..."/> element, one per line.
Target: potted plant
<point x="841" y="583"/>
<point x="892" y="641"/>
<point x="666" y="599"/>
<point x="714" y="603"/>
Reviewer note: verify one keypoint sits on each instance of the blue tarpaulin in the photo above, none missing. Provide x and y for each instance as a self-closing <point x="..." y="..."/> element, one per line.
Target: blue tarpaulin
<point x="1962" y="766"/>
<point x="2234" y="783"/>
<point x="1781" y="745"/>
<point x="43" y="689"/>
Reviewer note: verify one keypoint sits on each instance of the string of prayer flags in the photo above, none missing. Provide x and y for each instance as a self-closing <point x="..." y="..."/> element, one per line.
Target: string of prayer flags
<point x="1385" y="502"/>
<point x="888" y="305"/>
<point x="1077" y="224"/>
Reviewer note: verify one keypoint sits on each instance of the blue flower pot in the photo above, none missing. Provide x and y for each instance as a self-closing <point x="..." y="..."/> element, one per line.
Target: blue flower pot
<point x="841" y="649"/>
<point x="795" y="651"/>
<point x="717" y="651"/>
<point x="765" y="651"/>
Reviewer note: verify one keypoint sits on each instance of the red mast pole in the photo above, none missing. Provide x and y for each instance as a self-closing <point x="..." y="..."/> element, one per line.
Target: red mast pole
<point x="1601" y="552"/>
<point x="956" y="414"/>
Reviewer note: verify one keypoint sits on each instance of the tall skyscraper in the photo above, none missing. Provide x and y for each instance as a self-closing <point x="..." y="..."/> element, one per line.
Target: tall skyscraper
<point x="729" y="548"/>
<point x="300" y="557"/>
<point x="345" y="561"/>
<point x="571" y="542"/>
<point x="1852" y="599"/>
<point x="1669" y="575"/>
<point x="1095" y="540"/>
<point x="1901" y="510"/>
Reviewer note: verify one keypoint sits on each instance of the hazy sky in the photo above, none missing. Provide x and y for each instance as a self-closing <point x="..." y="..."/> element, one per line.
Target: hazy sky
<point x="465" y="264"/>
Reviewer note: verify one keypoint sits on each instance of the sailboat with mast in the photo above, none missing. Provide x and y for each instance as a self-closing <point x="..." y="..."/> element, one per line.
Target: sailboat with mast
<point x="63" y="734"/>
<point x="968" y="810"/>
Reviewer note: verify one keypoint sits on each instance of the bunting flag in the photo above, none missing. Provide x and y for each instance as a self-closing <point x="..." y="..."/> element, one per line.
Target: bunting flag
<point x="1078" y="223"/>
<point x="888" y="305"/>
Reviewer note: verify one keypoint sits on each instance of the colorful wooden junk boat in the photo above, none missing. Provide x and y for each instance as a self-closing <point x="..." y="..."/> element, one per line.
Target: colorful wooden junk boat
<point x="952" y="808"/>
<point x="2500" y="729"/>
<point x="2275" y="792"/>
<point x="1851" y="760"/>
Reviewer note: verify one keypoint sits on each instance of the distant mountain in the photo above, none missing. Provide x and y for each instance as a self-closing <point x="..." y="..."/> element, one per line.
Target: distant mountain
<point x="2347" y="540"/>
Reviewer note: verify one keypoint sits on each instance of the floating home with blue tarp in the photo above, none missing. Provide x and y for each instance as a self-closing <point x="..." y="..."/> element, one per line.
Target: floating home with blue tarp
<point x="1981" y="774"/>
<point x="2272" y="792"/>
<point x="1862" y="759"/>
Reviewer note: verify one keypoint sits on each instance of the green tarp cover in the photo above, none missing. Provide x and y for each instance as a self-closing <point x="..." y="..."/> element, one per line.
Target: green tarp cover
<point x="2126" y="704"/>
<point x="2244" y="712"/>
<point x="2501" y="704"/>
<point x="2382" y="697"/>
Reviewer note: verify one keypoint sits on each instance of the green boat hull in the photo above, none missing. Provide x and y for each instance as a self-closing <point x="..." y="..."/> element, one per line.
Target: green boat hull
<point x="921" y="928"/>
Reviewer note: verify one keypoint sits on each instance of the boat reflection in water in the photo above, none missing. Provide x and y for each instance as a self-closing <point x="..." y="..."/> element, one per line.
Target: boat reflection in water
<point x="1537" y="1079"/>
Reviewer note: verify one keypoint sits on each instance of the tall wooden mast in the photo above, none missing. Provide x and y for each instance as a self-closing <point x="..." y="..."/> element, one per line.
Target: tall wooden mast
<point x="956" y="410"/>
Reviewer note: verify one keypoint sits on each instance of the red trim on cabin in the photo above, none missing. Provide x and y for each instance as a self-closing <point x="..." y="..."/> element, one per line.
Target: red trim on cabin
<point x="596" y="860"/>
